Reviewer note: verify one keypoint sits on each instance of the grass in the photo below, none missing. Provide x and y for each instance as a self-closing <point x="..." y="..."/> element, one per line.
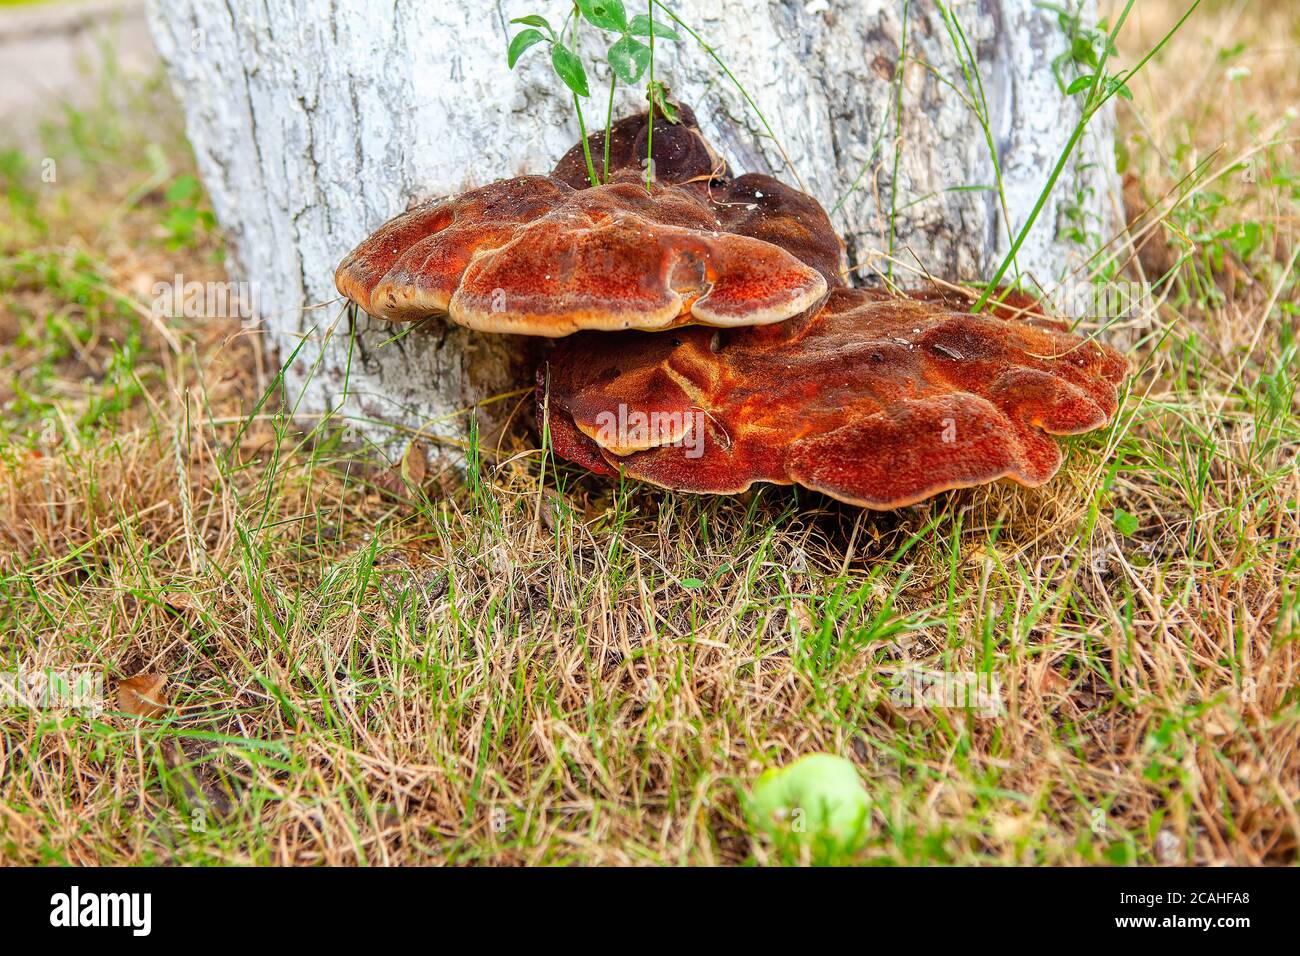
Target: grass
<point x="366" y="664"/>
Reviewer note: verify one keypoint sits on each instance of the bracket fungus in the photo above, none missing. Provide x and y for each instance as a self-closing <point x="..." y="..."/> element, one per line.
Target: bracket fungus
<point x="534" y="256"/>
<point x="712" y="341"/>
<point x="876" y="400"/>
<point x="552" y="255"/>
<point x="754" y="205"/>
<point x="681" y="154"/>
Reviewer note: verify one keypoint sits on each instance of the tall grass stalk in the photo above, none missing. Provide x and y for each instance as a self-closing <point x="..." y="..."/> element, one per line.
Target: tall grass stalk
<point x="650" y="127"/>
<point x="577" y="108"/>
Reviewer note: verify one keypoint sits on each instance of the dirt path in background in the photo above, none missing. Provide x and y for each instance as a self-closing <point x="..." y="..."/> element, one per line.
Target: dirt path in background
<point x="51" y="53"/>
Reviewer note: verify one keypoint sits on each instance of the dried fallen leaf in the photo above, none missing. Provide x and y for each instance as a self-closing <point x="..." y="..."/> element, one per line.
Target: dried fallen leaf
<point x="1155" y="250"/>
<point x="142" y="695"/>
<point x="1050" y="681"/>
<point x="1007" y="828"/>
<point x="415" y="463"/>
<point x="181" y="601"/>
<point x="801" y="617"/>
<point x="546" y="512"/>
<point x="404" y="478"/>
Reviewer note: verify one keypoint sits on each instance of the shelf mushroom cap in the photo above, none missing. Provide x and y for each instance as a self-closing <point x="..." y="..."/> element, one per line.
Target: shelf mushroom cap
<point x="534" y="256"/>
<point x="754" y="204"/>
<point x="680" y="152"/>
<point x="879" y="401"/>
<point x="765" y="208"/>
<point x="551" y="255"/>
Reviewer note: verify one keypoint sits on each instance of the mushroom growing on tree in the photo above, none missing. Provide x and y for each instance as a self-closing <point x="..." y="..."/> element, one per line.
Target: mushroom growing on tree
<point x="550" y="255"/>
<point x="534" y="256"/>
<point x="314" y="122"/>
<point x="874" y="398"/>
<point x="877" y="400"/>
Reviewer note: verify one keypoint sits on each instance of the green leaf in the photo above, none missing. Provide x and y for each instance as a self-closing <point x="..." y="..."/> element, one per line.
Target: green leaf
<point x="534" y="20"/>
<point x="185" y="187"/>
<point x="522" y="41"/>
<point x="1118" y="853"/>
<point x="1083" y="51"/>
<point x="641" y="27"/>
<point x="182" y="218"/>
<point x="628" y="58"/>
<point x="692" y="584"/>
<point x="606" y="14"/>
<point x="1125" y="523"/>
<point x="1079" y="85"/>
<point x="569" y="69"/>
<point x="657" y="94"/>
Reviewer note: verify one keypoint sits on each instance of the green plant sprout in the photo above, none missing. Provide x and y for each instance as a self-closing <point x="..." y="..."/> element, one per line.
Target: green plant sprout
<point x="611" y="15"/>
<point x="628" y="58"/>
<point x="1088" y="44"/>
<point x="186" y="218"/>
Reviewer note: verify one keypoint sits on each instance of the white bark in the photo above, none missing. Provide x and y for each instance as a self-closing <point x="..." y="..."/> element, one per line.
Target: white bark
<point x="317" y="120"/>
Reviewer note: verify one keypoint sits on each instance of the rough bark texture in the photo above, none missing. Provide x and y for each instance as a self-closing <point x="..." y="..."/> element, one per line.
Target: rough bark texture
<point x="316" y="121"/>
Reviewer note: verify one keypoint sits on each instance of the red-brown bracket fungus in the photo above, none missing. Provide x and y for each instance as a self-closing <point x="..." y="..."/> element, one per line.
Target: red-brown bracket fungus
<point x="681" y="153"/>
<point x="550" y="255"/>
<point x="764" y="208"/>
<point x="879" y="401"/>
<point x="753" y="205"/>
<point x="533" y="256"/>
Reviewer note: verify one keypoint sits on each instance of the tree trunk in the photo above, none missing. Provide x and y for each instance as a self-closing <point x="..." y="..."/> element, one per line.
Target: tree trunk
<point x="316" y="121"/>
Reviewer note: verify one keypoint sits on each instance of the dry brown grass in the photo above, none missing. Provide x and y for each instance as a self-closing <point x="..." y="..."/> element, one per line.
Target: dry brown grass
<point x="535" y="666"/>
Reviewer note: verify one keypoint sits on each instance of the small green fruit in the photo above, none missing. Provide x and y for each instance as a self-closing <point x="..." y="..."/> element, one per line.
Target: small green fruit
<point x="817" y="799"/>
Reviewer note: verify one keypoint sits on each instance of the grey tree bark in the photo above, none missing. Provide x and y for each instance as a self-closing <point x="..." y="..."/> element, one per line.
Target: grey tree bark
<point x="314" y="121"/>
